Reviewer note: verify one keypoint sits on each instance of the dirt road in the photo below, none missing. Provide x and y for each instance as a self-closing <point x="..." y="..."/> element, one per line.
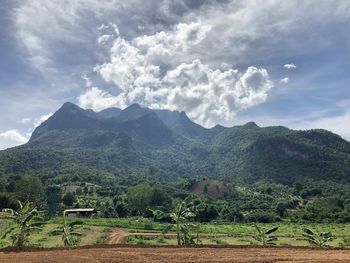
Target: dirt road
<point x="127" y="254"/>
<point x="118" y="236"/>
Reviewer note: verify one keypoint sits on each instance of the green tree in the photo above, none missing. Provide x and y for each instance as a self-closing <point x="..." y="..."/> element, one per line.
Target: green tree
<point x="139" y="198"/>
<point x="120" y="206"/>
<point x="3" y="184"/>
<point x="29" y="188"/>
<point x="54" y="194"/>
<point x="68" y="199"/>
<point x="7" y="200"/>
<point x="26" y="220"/>
<point x="161" y="198"/>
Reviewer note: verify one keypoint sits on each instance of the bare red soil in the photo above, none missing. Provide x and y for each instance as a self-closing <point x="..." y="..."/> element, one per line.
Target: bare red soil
<point x="118" y="236"/>
<point x="126" y="254"/>
<point x="211" y="188"/>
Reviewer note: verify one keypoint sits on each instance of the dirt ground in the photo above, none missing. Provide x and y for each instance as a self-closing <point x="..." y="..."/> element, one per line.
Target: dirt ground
<point x="118" y="236"/>
<point x="126" y="254"/>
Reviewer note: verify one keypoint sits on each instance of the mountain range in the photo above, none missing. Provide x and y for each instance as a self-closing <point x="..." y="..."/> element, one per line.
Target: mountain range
<point x="76" y="144"/>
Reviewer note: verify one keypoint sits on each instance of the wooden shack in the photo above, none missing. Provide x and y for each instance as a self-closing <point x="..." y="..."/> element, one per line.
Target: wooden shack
<point x="79" y="212"/>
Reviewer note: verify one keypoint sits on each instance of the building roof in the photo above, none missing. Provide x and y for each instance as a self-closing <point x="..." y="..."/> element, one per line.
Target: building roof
<point x="76" y="210"/>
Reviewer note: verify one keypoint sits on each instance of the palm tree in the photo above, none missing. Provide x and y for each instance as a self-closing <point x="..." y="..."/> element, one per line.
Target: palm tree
<point x="26" y="220"/>
<point x="68" y="232"/>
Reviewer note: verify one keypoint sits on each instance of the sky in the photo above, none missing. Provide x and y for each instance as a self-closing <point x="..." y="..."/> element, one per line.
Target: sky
<point x="221" y="61"/>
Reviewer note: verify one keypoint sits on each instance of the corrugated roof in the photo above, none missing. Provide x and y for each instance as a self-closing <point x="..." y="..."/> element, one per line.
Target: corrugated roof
<point x="74" y="210"/>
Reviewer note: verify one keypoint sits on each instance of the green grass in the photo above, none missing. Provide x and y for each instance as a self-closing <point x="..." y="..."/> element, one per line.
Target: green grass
<point x="90" y="235"/>
<point x="130" y="223"/>
<point x="150" y="241"/>
<point x="285" y="229"/>
<point x="95" y="231"/>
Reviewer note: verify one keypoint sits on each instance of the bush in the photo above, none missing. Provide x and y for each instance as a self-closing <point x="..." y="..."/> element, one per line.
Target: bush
<point x="68" y="199"/>
<point x="263" y="217"/>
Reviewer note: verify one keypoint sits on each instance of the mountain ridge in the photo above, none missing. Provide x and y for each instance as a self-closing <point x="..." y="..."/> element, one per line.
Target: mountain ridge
<point x="134" y="139"/>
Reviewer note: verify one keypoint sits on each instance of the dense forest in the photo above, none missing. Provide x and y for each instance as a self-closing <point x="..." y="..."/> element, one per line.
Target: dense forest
<point x="126" y="162"/>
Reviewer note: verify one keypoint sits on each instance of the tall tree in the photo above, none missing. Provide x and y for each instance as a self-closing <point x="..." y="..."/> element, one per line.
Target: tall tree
<point x="139" y="198"/>
<point x="29" y="188"/>
<point x="54" y="194"/>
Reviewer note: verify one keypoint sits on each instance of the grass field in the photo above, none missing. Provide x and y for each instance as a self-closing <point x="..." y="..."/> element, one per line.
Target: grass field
<point x="95" y="231"/>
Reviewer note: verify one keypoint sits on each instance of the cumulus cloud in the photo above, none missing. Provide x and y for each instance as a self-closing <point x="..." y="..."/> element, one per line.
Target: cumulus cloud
<point x="284" y="80"/>
<point x="203" y="41"/>
<point x="88" y="81"/>
<point x="147" y="70"/>
<point x="42" y="119"/>
<point x="12" y="138"/>
<point x="96" y="99"/>
<point x="49" y="29"/>
<point x="289" y="66"/>
<point x="16" y="137"/>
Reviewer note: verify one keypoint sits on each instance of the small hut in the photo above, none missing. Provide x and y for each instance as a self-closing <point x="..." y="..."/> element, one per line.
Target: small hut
<point x="79" y="212"/>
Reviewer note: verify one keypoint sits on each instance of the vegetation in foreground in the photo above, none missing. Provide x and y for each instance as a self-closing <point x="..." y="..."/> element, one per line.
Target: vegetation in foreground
<point x="178" y="216"/>
<point x="142" y="231"/>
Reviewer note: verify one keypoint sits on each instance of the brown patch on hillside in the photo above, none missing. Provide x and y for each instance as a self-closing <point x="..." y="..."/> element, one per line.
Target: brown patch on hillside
<point x="212" y="189"/>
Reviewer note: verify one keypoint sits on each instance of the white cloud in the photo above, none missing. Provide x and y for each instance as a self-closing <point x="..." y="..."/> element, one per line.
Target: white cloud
<point x="88" y="82"/>
<point x="284" y="80"/>
<point x="60" y="36"/>
<point x="335" y="121"/>
<point x="289" y="66"/>
<point x="12" y="138"/>
<point x="147" y="70"/>
<point x="338" y="124"/>
<point x="25" y="120"/>
<point x="96" y="99"/>
<point x="49" y="29"/>
<point x="42" y="119"/>
<point x="15" y="137"/>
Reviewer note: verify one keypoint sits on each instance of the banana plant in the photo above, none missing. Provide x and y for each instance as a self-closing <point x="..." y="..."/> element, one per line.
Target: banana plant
<point x="25" y="221"/>
<point x="186" y="237"/>
<point x="181" y="214"/>
<point x="319" y="239"/>
<point x="266" y="238"/>
<point x="69" y="232"/>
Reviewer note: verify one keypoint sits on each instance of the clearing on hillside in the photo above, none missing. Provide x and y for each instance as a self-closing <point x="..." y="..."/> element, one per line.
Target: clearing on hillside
<point x="212" y="188"/>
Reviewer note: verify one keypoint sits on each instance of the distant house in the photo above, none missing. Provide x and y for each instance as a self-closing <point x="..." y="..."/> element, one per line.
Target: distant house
<point x="79" y="212"/>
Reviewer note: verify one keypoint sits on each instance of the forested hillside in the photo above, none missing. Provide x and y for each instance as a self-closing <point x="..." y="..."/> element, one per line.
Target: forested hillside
<point x="135" y="139"/>
<point x="113" y="150"/>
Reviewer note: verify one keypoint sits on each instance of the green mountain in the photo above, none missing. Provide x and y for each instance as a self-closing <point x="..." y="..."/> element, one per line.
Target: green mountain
<point x="82" y="145"/>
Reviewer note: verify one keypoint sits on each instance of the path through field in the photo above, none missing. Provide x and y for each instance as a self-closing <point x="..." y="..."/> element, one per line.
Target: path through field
<point x="129" y="254"/>
<point x="118" y="236"/>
